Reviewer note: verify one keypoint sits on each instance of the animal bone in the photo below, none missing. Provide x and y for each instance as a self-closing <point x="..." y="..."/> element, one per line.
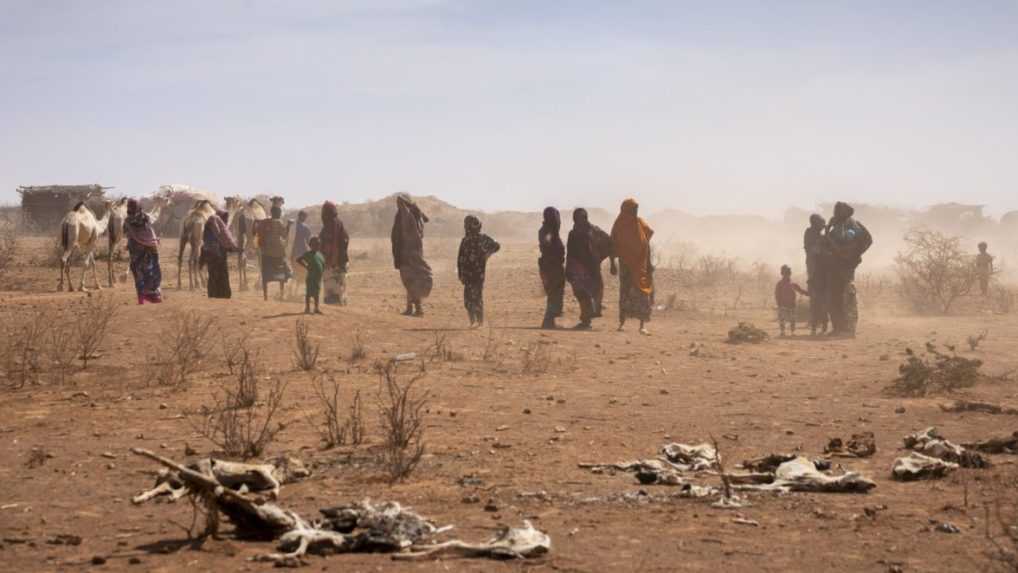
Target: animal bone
<point x="237" y="476"/>
<point x="861" y="445"/>
<point x="508" y="543"/>
<point x="801" y="474"/>
<point x="931" y="443"/>
<point x="691" y="458"/>
<point x="916" y="466"/>
<point x="999" y="445"/>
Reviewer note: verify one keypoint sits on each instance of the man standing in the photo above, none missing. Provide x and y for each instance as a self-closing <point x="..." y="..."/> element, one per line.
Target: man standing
<point x="815" y="244"/>
<point x="849" y="239"/>
<point x="984" y="269"/>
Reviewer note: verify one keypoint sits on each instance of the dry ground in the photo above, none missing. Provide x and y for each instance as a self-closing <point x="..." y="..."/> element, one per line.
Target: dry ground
<point x="617" y="396"/>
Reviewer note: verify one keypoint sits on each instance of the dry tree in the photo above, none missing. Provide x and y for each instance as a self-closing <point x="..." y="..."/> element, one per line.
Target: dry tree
<point x="401" y="410"/>
<point x="305" y="352"/>
<point x="185" y="344"/>
<point x="92" y="326"/>
<point x="934" y="270"/>
<point x="61" y="352"/>
<point x="235" y="422"/>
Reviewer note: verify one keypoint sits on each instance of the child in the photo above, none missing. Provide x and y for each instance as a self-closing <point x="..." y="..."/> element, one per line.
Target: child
<point x="984" y="269"/>
<point x="784" y="295"/>
<point x="314" y="262"/>
<point x="475" y="248"/>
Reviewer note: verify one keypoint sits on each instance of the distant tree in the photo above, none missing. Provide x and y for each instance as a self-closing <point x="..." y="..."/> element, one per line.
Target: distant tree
<point x="934" y="270"/>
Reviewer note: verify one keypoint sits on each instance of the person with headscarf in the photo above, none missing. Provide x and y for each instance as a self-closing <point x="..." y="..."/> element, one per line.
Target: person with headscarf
<point x="408" y="253"/>
<point x="301" y="237"/>
<point x="272" y="237"/>
<point x="335" y="245"/>
<point x="631" y="244"/>
<point x="217" y="244"/>
<point x="471" y="264"/>
<point x="848" y="239"/>
<point x="814" y="242"/>
<point x="143" y="248"/>
<point x="583" y="267"/>
<point x="552" y="265"/>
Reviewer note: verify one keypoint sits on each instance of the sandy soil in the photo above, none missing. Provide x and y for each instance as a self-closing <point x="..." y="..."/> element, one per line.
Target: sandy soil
<point x="616" y="395"/>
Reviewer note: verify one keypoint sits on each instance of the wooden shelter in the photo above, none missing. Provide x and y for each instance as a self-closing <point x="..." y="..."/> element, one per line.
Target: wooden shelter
<point x="44" y="206"/>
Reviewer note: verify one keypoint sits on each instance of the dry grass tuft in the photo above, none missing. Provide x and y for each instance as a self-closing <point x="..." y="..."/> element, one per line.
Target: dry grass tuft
<point x="305" y="352"/>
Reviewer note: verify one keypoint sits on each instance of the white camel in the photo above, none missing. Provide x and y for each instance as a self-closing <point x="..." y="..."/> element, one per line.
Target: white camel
<point x="244" y="217"/>
<point x="191" y="232"/>
<point x="118" y="214"/>
<point x="80" y="231"/>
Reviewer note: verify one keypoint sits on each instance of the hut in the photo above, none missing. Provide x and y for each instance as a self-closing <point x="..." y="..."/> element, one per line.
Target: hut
<point x="44" y="206"/>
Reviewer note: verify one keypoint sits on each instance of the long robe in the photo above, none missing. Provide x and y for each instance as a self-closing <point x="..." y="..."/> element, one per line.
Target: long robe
<point x="631" y="243"/>
<point x="217" y="242"/>
<point x="143" y="247"/>
<point x="335" y="243"/>
<point x="408" y="251"/>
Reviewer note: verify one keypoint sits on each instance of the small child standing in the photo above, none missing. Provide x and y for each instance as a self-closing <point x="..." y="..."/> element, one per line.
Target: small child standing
<point x="784" y="295"/>
<point x="475" y="248"/>
<point x="314" y="262"/>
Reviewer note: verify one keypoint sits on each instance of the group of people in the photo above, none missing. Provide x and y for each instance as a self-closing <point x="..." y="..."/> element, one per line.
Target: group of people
<point x="834" y="250"/>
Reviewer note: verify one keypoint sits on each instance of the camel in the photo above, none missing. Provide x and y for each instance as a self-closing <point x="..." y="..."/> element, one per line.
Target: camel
<point x="80" y="231"/>
<point x="118" y="214"/>
<point x="191" y="231"/>
<point x="243" y="218"/>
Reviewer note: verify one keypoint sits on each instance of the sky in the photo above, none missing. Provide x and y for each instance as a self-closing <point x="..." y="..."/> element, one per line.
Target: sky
<point x="708" y="107"/>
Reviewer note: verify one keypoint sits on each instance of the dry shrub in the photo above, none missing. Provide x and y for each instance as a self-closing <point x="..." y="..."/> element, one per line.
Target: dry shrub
<point x="61" y="352"/>
<point x="305" y="352"/>
<point x="358" y="350"/>
<point x="92" y="326"/>
<point x="1002" y="533"/>
<point x="441" y="350"/>
<point x="536" y="358"/>
<point x="401" y="410"/>
<point x="934" y="270"/>
<point x="332" y="427"/>
<point x="493" y="349"/>
<point x="746" y="332"/>
<point x="233" y="349"/>
<point x="22" y="350"/>
<point x="235" y="423"/>
<point x="8" y="246"/>
<point x="938" y="372"/>
<point x="712" y="270"/>
<point x="184" y="344"/>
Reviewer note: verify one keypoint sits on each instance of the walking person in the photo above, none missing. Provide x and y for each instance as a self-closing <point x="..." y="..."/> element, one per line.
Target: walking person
<point x="272" y="236"/>
<point x="217" y="244"/>
<point x="552" y="266"/>
<point x="583" y="267"/>
<point x="408" y="254"/>
<point x="475" y="250"/>
<point x="849" y="239"/>
<point x="301" y="237"/>
<point x="631" y="244"/>
<point x="817" y="254"/>
<point x="143" y="248"/>
<point x="335" y="245"/>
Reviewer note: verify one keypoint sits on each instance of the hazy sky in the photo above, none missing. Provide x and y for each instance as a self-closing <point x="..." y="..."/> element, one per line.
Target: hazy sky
<point x="704" y="106"/>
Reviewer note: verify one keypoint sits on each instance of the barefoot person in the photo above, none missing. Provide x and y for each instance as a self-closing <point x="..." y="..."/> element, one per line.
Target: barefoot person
<point x="301" y="237"/>
<point x="552" y="265"/>
<point x="849" y="239"/>
<point x="143" y="247"/>
<point x="784" y="296"/>
<point x="335" y="244"/>
<point x="583" y="267"/>
<point x="631" y="244"/>
<point x="314" y="263"/>
<point x="475" y="250"/>
<point x="272" y="236"/>
<point x="217" y="244"/>
<point x="408" y="253"/>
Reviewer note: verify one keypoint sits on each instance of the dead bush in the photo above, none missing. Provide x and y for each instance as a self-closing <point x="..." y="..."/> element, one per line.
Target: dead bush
<point x="934" y="270"/>
<point x="235" y="423"/>
<point x="233" y="350"/>
<point x="305" y="352"/>
<point x="441" y="350"/>
<point x="493" y="349"/>
<point x="712" y="270"/>
<point x="92" y="325"/>
<point x="936" y="372"/>
<point x="334" y="429"/>
<point x="184" y="344"/>
<point x="1002" y="534"/>
<point x="22" y="350"/>
<point x="61" y="352"/>
<point x="8" y="246"/>
<point x="358" y="351"/>
<point x="536" y="358"/>
<point x="401" y="410"/>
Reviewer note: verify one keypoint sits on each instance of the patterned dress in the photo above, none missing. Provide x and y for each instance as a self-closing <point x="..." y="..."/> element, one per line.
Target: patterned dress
<point x="471" y="264"/>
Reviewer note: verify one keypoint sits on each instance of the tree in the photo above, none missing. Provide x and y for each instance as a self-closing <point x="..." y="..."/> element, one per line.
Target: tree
<point x="934" y="270"/>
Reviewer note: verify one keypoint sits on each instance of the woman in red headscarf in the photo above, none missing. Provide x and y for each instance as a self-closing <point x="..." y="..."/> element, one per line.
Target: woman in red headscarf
<point x="631" y="244"/>
<point x="143" y="246"/>
<point x="335" y="244"/>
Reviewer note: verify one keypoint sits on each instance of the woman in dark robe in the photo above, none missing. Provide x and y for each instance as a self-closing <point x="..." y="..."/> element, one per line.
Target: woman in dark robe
<point x="217" y="244"/>
<point x="552" y="265"/>
<point x="335" y="243"/>
<point x="408" y="253"/>
<point x="143" y="247"/>
<point x="583" y="267"/>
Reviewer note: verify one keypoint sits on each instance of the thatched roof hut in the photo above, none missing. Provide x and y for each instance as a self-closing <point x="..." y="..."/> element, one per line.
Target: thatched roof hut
<point x="44" y="206"/>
